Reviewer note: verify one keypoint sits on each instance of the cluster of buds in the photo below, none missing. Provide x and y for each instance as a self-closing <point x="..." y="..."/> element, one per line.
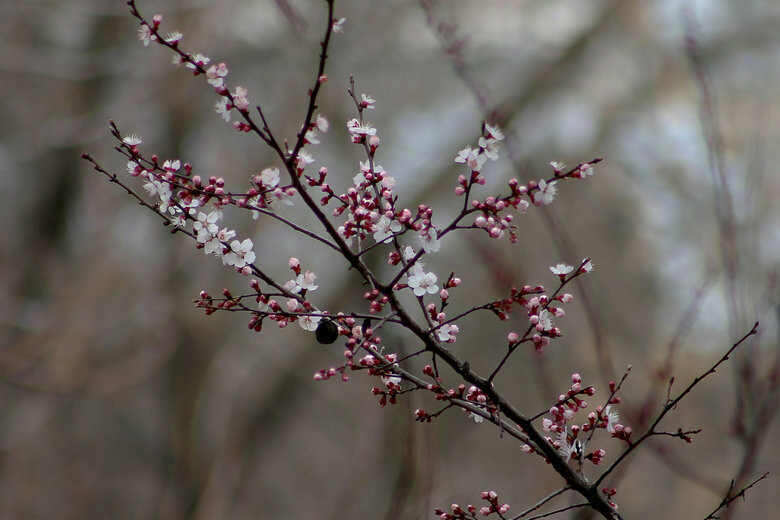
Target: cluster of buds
<point x="457" y="512"/>
<point x="567" y="441"/>
<point x="376" y="300"/>
<point x="568" y="405"/>
<point x="391" y="381"/>
<point x="478" y="397"/>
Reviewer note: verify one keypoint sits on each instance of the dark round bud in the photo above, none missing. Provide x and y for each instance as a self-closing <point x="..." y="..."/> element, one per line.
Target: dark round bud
<point x="327" y="332"/>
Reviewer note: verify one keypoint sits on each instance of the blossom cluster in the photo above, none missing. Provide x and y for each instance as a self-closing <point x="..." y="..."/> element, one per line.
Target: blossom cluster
<point x="366" y="214"/>
<point x="571" y="441"/>
<point x="459" y="513"/>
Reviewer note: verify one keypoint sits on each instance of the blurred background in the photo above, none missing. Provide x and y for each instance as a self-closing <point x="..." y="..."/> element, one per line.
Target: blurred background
<point x="121" y="400"/>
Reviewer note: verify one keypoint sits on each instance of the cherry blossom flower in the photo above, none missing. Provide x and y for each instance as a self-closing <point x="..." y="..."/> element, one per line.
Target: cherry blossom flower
<point x="132" y="140"/>
<point x="303" y="158"/>
<point x="586" y="169"/>
<point x="215" y="75"/>
<point x="356" y="128"/>
<point x="206" y="225"/>
<point x="241" y="253"/>
<point x="278" y="198"/>
<point x="557" y="166"/>
<point x="447" y="333"/>
<point x="494" y="132"/>
<point x="189" y="203"/>
<point x="145" y="35"/>
<point x="566" y="450"/>
<point x="322" y="123"/>
<point x="311" y="137"/>
<point x="388" y="181"/>
<point x="561" y="269"/>
<point x="214" y="245"/>
<point x="587" y="266"/>
<point x="222" y="107"/>
<point x="338" y="25"/>
<point x="172" y="165"/>
<point x="304" y="281"/>
<point x="385" y="227"/>
<point x="199" y="61"/>
<point x="422" y="283"/>
<point x="545" y="320"/>
<point x="489" y="147"/>
<point x="163" y="191"/>
<point x="612" y="418"/>
<point x="471" y="158"/>
<point x="168" y="205"/>
<point x="174" y="37"/>
<point x="270" y="177"/>
<point x="134" y="169"/>
<point x="547" y="192"/>
<point x="239" y="98"/>
<point x="368" y="102"/>
<point x="429" y="240"/>
<point x="477" y="418"/>
<point x="309" y="323"/>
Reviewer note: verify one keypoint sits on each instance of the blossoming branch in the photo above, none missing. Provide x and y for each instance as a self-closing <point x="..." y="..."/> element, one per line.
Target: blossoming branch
<point x="367" y="215"/>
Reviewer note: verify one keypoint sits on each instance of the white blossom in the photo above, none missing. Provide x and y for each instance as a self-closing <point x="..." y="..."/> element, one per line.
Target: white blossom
<point x="304" y="281"/>
<point x="545" y="319"/>
<point x="561" y="269"/>
<point x="270" y="177"/>
<point x="429" y="240"/>
<point x="447" y="333"/>
<point x="240" y="254"/>
<point x="547" y="191"/>
<point x="132" y="140"/>
<point x="472" y="158"/>
<point x="612" y="418"/>
<point x="422" y="283"/>
<point x="489" y="148"/>
<point x="494" y="132"/>
<point x="309" y="323"/>
<point x="385" y="227"/>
